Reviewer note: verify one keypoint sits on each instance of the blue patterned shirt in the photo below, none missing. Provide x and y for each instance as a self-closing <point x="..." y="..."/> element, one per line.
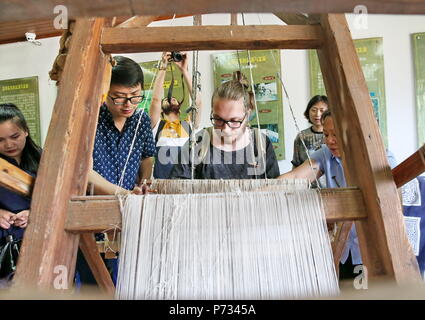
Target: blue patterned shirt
<point x="111" y="147"/>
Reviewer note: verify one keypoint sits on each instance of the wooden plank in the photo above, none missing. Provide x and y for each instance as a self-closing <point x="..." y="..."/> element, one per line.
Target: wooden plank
<point x="338" y="245"/>
<point x="137" y="21"/>
<point x="292" y="18"/>
<point x="93" y="214"/>
<point x="141" y="21"/>
<point x="14" y="31"/>
<point x="153" y="39"/>
<point x="343" y="204"/>
<point x="100" y="213"/>
<point x="65" y="162"/>
<point x="410" y="168"/>
<point x="15" y="10"/>
<point x="91" y="252"/>
<point x="44" y="9"/>
<point x="15" y="179"/>
<point x="384" y="245"/>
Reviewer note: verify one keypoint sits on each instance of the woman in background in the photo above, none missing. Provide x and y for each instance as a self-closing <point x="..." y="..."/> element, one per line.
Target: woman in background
<point x="312" y="136"/>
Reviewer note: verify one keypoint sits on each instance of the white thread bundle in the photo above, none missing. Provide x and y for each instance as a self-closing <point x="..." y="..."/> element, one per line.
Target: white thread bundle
<point x="236" y="245"/>
<point x="165" y="186"/>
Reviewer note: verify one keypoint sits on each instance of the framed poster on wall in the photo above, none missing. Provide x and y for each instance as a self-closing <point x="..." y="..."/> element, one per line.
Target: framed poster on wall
<point x="371" y="56"/>
<point x="268" y="91"/>
<point x="418" y="41"/>
<point x="23" y="92"/>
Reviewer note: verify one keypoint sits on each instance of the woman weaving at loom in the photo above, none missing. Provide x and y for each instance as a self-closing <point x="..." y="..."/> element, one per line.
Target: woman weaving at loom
<point x="327" y="161"/>
<point x="229" y="149"/>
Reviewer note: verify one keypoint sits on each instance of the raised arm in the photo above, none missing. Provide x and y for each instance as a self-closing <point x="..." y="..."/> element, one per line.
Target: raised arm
<point x="158" y="91"/>
<point x="183" y="66"/>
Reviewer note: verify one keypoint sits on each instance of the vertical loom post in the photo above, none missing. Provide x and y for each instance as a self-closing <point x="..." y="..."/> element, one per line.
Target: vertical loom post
<point x="48" y="252"/>
<point x="383" y="242"/>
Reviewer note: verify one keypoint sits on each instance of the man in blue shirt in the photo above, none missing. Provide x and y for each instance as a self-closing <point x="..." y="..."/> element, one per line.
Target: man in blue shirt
<point x="124" y="144"/>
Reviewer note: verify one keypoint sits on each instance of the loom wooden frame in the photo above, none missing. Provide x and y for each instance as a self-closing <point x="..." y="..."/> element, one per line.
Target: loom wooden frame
<point x="65" y="161"/>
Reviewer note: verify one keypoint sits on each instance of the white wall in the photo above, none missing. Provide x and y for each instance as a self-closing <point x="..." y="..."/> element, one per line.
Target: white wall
<point x="25" y="59"/>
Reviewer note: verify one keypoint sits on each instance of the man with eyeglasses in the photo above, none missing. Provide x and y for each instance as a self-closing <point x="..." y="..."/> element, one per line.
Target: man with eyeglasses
<point x="116" y="157"/>
<point x="230" y="149"/>
<point x="124" y="144"/>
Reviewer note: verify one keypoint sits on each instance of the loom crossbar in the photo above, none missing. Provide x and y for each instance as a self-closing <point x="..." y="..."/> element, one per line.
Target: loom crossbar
<point x="99" y="213"/>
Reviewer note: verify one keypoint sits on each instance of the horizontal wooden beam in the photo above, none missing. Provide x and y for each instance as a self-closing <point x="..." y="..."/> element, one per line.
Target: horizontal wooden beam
<point x="154" y="39"/>
<point x="15" y="179"/>
<point x="45" y="9"/>
<point x="343" y="204"/>
<point x="410" y="168"/>
<point x="101" y="213"/>
<point x="14" y="31"/>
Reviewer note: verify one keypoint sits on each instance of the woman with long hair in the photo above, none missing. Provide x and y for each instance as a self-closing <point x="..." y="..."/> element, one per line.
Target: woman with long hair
<point x="18" y="148"/>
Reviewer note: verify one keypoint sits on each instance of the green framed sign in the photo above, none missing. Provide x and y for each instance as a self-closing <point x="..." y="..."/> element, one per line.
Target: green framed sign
<point x="23" y="92"/>
<point x="370" y="52"/>
<point x="418" y="42"/>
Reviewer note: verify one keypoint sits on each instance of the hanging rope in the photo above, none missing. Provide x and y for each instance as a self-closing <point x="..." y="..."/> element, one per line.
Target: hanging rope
<point x="121" y="180"/>
<point x="292" y="113"/>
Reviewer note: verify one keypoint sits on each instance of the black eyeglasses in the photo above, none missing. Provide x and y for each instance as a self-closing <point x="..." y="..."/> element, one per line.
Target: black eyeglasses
<point x="122" y="100"/>
<point x="234" y="124"/>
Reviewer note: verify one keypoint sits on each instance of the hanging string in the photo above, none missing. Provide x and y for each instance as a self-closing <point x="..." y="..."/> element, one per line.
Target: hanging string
<point x="194" y="109"/>
<point x="261" y="147"/>
<point x="292" y="113"/>
<point x="130" y="150"/>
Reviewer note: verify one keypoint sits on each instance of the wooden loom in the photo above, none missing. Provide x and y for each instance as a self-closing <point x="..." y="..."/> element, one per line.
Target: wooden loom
<point x="62" y="218"/>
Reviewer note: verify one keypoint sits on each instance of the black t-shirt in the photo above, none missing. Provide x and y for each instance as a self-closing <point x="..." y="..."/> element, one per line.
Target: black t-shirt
<point x="246" y="163"/>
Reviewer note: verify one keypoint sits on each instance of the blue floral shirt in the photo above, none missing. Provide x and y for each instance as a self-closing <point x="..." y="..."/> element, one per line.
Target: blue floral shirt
<point x="111" y="147"/>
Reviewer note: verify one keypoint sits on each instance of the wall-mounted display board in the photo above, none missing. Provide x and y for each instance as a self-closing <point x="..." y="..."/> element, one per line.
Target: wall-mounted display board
<point x="418" y="41"/>
<point x="371" y="56"/>
<point x="23" y="92"/>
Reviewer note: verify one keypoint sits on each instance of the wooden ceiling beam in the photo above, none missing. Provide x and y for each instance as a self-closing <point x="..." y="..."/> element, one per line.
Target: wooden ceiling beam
<point x="44" y="9"/>
<point x="154" y="39"/>
<point x="15" y="31"/>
